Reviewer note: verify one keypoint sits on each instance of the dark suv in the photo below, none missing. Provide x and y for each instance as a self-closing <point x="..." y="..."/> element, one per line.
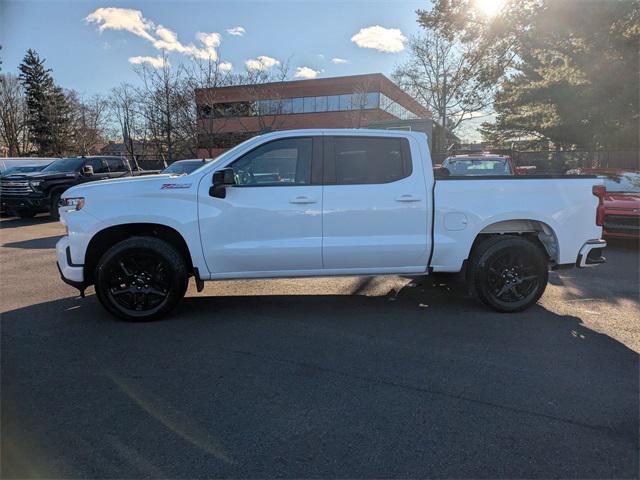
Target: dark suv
<point x="25" y="194"/>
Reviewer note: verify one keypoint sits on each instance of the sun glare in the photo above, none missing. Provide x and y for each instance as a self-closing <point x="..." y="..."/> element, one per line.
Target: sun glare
<point x="490" y="8"/>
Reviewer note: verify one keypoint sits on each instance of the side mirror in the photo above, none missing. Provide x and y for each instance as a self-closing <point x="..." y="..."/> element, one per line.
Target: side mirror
<point x="221" y="179"/>
<point x="441" y="172"/>
<point x="87" y="170"/>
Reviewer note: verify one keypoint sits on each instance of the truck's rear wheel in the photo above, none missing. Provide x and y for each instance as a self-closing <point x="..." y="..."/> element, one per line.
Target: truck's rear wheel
<point x="141" y="279"/>
<point x="508" y="273"/>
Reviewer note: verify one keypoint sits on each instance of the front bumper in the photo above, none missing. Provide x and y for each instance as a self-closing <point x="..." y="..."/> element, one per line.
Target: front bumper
<point x="71" y="273"/>
<point x="590" y="254"/>
<point x="25" y="202"/>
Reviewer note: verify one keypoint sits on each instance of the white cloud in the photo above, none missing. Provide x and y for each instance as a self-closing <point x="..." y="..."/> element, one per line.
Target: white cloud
<point x="236" y="31"/>
<point x="155" y="62"/>
<point x="225" y="66"/>
<point x="113" y="18"/>
<point x="211" y="40"/>
<point x="161" y="37"/>
<point x="261" y="63"/>
<point x="389" y="40"/>
<point x="339" y="61"/>
<point x="321" y="56"/>
<point x="306" y="72"/>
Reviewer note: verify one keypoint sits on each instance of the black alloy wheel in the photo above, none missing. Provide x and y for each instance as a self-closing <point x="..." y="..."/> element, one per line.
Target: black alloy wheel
<point x="141" y="278"/>
<point x="509" y="273"/>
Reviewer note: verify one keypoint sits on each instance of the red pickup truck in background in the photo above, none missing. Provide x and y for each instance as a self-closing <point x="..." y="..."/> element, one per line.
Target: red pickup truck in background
<point x="620" y="202"/>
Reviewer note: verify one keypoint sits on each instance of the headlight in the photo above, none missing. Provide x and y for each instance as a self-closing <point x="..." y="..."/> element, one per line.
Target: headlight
<point x="75" y="203"/>
<point x="35" y="183"/>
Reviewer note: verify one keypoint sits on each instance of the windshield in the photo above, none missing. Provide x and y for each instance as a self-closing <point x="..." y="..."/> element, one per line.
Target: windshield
<point x="65" y="165"/>
<point x="183" y="167"/>
<point x="477" y="166"/>
<point x="622" y="183"/>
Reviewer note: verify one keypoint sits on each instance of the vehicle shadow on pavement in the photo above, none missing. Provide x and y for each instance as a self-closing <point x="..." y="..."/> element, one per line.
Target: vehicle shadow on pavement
<point x="416" y="382"/>
<point x="14" y="222"/>
<point x="616" y="281"/>
<point x="35" y="243"/>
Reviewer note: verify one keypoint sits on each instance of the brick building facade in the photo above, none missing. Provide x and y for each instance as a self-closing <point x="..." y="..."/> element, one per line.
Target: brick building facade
<point x="229" y="115"/>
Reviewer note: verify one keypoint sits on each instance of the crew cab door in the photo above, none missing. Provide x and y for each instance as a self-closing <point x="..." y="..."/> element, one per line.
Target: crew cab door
<point x="271" y="220"/>
<point x="376" y="205"/>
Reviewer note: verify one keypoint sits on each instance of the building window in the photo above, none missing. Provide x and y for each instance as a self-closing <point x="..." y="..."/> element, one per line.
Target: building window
<point x="309" y="104"/>
<point x="321" y="104"/>
<point x="297" y="105"/>
<point x="333" y="103"/>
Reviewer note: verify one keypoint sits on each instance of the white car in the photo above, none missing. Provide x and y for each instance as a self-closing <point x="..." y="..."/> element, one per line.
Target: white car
<point x="305" y="203"/>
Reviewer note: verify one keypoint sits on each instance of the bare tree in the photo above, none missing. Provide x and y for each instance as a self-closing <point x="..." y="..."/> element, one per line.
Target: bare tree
<point x="441" y="73"/>
<point x="124" y="109"/>
<point x="360" y="103"/>
<point x="13" y="115"/>
<point x="89" y="122"/>
<point x="204" y="77"/>
<point x="158" y="96"/>
<point x="266" y="101"/>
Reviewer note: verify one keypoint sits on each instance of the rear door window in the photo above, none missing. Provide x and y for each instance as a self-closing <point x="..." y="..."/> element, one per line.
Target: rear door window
<point x="116" y="164"/>
<point x="99" y="165"/>
<point x="366" y="160"/>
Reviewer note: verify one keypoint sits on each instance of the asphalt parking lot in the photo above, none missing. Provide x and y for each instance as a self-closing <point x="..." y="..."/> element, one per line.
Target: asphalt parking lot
<point x="350" y="377"/>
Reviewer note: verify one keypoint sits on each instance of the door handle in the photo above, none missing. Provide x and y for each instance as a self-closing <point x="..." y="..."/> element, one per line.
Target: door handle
<point x="302" y="200"/>
<point x="407" y="198"/>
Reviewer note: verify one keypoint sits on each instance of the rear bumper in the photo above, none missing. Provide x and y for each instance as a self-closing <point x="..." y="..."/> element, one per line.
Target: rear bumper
<point x="590" y="254"/>
<point x="71" y="273"/>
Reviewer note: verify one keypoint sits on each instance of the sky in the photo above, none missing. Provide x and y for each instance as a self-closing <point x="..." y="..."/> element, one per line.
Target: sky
<point x="92" y="47"/>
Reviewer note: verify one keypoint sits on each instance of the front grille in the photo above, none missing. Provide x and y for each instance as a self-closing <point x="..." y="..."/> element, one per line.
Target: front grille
<point x="628" y="223"/>
<point x="15" y="187"/>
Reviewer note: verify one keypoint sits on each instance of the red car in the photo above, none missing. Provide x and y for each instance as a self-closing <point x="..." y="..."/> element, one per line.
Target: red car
<point x="621" y="201"/>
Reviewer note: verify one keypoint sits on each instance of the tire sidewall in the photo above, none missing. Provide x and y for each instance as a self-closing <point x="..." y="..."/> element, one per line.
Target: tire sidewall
<point x="178" y="284"/>
<point x="533" y="254"/>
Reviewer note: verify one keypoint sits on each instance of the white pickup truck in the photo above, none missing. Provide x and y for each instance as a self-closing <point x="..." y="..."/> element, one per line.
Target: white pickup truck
<point x="305" y="203"/>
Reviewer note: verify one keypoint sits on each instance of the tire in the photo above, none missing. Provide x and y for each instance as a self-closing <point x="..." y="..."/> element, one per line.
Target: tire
<point x="508" y="273"/>
<point x="54" y="213"/>
<point x="25" y="213"/>
<point x="141" y="279"/>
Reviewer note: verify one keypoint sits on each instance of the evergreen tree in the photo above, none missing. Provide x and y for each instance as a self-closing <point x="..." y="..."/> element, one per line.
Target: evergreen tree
<point x="568" y="69"/>
<point x="47" y="106"/>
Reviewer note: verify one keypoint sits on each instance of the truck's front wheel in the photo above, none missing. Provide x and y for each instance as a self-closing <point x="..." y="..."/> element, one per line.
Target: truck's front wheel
<point x="508" y="273"/>
<point x="141" y="278"/>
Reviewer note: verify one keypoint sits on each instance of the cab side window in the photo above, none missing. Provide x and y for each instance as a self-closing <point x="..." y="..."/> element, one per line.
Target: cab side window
<point x="116" y="164"/>
<point x="368" y="160"/>
<point x="278" y="163"/>
<point x="99" y="165"/>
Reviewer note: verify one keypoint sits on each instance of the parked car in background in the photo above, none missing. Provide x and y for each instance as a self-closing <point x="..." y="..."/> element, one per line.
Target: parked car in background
<point x="621" y="201"/>
<point x="26" y="194"/>
<point x="184" y="167"/>
<point x="301" y="203"/>
<point x="485" y="164"/>
<point x="10" y="162"/>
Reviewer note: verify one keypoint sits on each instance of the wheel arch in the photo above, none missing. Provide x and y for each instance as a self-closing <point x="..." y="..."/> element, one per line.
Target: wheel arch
<point x="109" y="236"/>
<point x="537" y="231"/>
